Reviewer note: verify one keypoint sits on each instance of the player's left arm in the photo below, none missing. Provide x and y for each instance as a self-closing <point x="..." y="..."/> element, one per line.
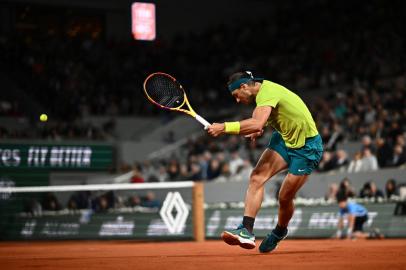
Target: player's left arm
<point x="248" y="126"/>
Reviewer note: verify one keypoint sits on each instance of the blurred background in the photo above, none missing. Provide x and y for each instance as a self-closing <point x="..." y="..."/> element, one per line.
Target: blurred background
<point x="82" y="64"/>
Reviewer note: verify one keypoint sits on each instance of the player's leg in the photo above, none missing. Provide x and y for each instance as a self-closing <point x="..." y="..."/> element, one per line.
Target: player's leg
<point x="268" y="165"/>
<point x="358" y="229"/>
<point x="360" y="235"/>
<point x="287" y="193"/>
<point x="291" y="184"/>
<point x="302" y="162"/>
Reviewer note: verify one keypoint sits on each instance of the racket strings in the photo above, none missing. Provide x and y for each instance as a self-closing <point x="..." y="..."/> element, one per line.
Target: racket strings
<point x="165" y="91"/>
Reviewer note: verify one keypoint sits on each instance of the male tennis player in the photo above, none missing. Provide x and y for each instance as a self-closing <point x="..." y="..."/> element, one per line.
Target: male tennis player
<point x="295" y="145"/>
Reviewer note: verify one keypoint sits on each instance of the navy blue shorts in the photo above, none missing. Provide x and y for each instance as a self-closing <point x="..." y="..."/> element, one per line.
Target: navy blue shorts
<point x="301" y="161"/>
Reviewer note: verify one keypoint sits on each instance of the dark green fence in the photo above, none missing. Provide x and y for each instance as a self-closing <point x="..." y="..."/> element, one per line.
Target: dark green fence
<point x="307" y="222"/>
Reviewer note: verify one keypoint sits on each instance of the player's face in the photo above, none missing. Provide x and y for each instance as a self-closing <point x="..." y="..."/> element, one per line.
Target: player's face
<point x="243" y="95"/>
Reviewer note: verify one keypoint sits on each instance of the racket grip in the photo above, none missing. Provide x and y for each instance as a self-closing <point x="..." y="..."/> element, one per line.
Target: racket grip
<point x="202" y="121"/>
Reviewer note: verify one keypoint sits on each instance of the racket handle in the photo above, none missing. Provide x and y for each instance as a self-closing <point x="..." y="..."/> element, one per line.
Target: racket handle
<point x="202" y="121"/>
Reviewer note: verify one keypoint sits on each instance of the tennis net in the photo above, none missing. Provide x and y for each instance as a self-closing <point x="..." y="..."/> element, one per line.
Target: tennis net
<point x="148" y="211"/>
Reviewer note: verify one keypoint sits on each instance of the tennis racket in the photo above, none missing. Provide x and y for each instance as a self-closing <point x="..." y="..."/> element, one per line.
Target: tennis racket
<point x="166" y="92"/>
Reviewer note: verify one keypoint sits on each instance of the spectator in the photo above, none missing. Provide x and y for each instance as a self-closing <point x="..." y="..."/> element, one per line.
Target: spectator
<point x="356" y="163"/>
<point x="391" y="188"/>
<point x="149" y="171"/>
<point x="363" y="162"/>
<point x="173" y="170"/>
<point x="103" y="202"/>
<point x="195" y="172"/>
<point x="225" y="173"/>
<point x="50" y="202"/>
<point x="399" y="156"/>
<point x="162" y="174"/>
<point x="214" y="169"/>
<point x="79" y="200"/>
<point x="371" y="191"/>
<point x="235" y="162"/>
<point x="184" y="173"/>
<point x="384" y="152"/>
<point x="331" y="140"/>
<point x="137" y="175"/>
<point x="327" y="162"/>
<point x="243" y="171"/>
<point x="367" y="143"/>
<point x="332" y="193"/>
<point x="341" y="159"/>
<point x="346" y="188"/>
<point x="32" y="207"/>
<point x="204" y="163"/>
<point x="368" y="160"/>
<point x="150" y="201"/>
<point x="133" y="201"/>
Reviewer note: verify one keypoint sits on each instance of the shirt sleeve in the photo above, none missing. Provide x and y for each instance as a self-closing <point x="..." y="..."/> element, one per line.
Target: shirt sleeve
<point x="352" y="208"/>
<point x="265" y="98"/>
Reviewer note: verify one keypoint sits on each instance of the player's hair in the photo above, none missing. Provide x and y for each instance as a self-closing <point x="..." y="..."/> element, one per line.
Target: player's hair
<point x="239" y="75"/>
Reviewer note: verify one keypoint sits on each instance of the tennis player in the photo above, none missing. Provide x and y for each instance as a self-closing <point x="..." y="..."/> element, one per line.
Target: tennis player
<point x="295" y="145"/>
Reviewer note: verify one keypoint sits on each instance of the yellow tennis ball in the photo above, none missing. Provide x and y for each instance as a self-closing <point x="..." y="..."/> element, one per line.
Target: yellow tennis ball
<point x="43" y="117"/>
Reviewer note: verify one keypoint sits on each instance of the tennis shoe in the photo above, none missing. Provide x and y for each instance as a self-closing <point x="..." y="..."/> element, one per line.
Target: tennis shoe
<point x="271" y="242"/>
<point x="376" y="234"/>
<point x="240" y="236"/>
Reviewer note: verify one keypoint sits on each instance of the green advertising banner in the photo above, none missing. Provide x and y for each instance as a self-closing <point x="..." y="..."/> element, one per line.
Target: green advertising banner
<point x="55" y="156"/>
<point x="94" y="226"/>
<point x="307" y="222"/>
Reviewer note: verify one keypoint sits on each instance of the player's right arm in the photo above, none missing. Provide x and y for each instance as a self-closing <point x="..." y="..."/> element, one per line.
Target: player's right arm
<point x="248" y="126"/>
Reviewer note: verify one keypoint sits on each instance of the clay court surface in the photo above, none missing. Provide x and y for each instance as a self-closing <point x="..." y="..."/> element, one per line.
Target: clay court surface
<point x="291" y="254"/>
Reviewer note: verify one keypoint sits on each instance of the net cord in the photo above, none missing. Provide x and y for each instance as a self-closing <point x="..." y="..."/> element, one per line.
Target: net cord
<point x="183" y="184"/>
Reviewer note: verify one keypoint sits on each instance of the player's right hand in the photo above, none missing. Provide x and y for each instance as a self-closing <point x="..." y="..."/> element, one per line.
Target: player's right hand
<point x="216" y="129"/>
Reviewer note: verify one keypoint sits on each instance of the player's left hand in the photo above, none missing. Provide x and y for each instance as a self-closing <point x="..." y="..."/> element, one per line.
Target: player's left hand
<point x="216" y="129"/>
<point x="255" y="135"/>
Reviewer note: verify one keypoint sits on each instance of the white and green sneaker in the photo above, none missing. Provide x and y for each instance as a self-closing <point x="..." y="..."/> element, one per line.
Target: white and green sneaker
<point x="240" y="236"/>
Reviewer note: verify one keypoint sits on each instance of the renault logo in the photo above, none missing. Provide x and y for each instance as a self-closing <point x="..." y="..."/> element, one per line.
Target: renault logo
<point x="174" y="223"/>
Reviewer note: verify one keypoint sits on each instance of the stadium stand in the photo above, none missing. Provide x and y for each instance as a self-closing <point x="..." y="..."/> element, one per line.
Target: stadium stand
<point x="356" y="88"/>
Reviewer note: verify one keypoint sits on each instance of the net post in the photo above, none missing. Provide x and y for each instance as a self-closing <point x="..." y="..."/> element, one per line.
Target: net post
<point x="198" y="212"/>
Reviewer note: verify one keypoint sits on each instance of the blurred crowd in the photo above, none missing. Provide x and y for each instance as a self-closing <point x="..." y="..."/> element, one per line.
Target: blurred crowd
<point x="368" y="191"/>
<point x="349" y="60"/>
<point x="326" y="46"/>
<point x="86" y="200"/>
<point x="60" y="130"/>
<point x="232" y="158"/>
<point x="200" y="159"/>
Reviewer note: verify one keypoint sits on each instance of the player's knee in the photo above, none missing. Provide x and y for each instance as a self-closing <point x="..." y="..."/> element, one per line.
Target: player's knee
<point x="285" y="199"/>
<point x="256" y="180"/>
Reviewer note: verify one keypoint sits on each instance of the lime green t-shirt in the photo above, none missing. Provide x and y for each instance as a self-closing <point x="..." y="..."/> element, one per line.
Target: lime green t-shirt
<point x="289" y="116"/>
